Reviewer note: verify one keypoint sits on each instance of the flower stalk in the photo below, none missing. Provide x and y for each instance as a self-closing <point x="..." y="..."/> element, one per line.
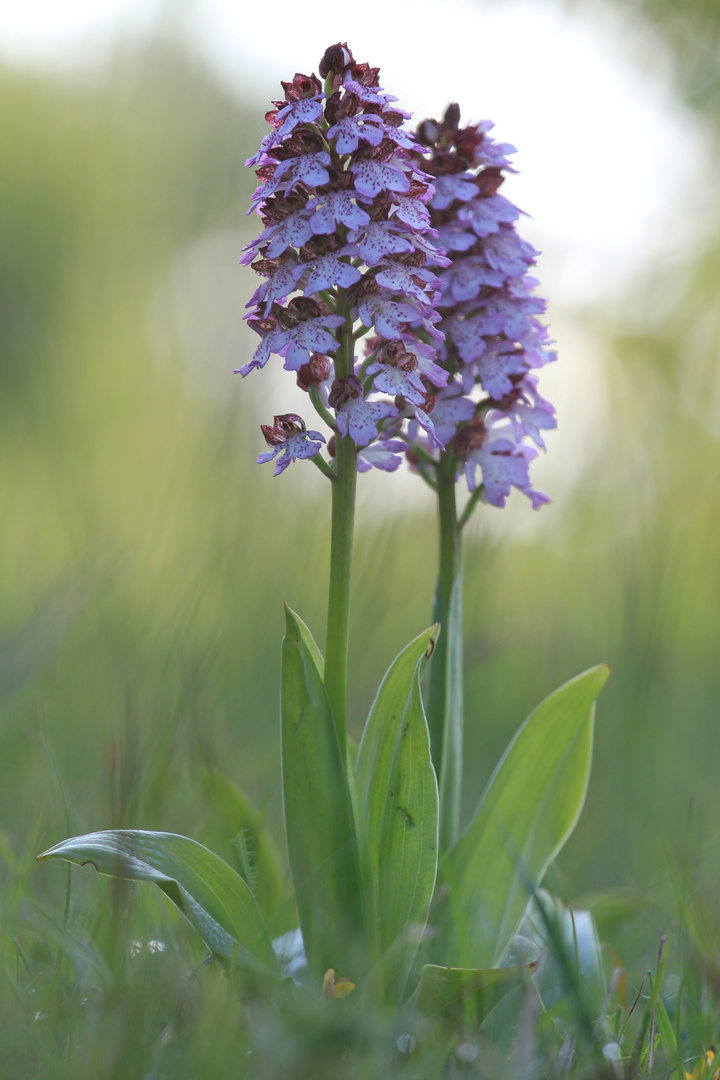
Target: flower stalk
<point x="341" y="552"/>
<point x="444" y="707"/>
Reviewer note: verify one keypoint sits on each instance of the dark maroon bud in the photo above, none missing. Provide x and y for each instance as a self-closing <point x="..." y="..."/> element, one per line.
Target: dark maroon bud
<point x="336" y="59"/>
<point x="451" y="116"/>
<point x="411" y="457"/>
<point x="331" y="446"/>
<point x="489" y="180"/>
<point x="332" y="108"/>
<point x="302" y="86"/>
<point x="316" y="370"/>
<point x="429" y="132"/>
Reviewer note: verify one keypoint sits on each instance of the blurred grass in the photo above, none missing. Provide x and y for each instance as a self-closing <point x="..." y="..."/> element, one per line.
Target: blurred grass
<point x="144" y="558"/>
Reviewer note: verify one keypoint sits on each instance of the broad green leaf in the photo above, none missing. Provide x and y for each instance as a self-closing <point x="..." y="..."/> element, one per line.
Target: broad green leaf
<point x="214" y="899"/>
<point x="309" y="642"/>
<point x="319" y="823"/>
<point x="464" y="995"/>
<point x="450" y="779"/>
<point x="260" y="862"/>
<point x="526" y="814"/>
<point x="408" y="851"/>
<point x="377" y="745"/>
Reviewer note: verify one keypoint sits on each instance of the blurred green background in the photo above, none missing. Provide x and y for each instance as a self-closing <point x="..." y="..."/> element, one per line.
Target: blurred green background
<point x="145" y="558"/>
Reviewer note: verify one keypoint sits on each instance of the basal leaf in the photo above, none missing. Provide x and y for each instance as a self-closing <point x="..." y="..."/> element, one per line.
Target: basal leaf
<point x="408" y="850"/>
<point x="526" y="814"/>
<point x="212" y="896"/>
<point x="465" y="996"/>
<point x="319" y="823"/>
<point x="377" y="746"/>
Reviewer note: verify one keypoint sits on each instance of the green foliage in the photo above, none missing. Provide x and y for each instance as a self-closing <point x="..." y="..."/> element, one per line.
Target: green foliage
<point x="212" y="897"/>
<point x="408" y="848"/>
<point x="143" y="563"/>
<point x="465" y="997"/>
<point x="529" y="809"/>
<point x="380" y="734"/>
<point x="319" y="823"/>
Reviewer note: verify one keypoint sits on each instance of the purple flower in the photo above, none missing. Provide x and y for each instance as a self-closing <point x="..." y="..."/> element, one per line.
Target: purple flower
<point x="388" y="315"/>
<point x="330" y="270"/>
<point x="460" y="186"/>
<point x="294" y="231"/>
<point x="381" y="455"/>
<point x="348" y="132"/>
<point x="297" y="343"/>
<point x="372" y="177"/>
<point x="356" y="416"/>
<point x="289" y="440"/>
<point x="308" y="169"/>
<point x="299" y="112"/>
<point x="484" y="216"/>
<point x="451" y="409"/>
<point x="378" y="239"/>
<point x="412" y="212"/>
<point x="336" y="207"/>
<point x="398" y="382"/>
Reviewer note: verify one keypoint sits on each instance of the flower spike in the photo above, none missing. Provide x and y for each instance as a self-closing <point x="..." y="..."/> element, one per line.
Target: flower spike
<point x="493" y="337"/>
<point x="346" y="250"/>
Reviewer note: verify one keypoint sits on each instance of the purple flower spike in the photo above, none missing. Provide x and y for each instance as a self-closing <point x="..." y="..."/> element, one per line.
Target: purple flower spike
<point x="493" y="339"/>
<point x="346" y="247"/>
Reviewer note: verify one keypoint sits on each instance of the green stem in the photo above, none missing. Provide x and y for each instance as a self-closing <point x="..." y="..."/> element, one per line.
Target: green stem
<point x="445" y="697"/>
<point x="341" y="549"/>
<point x="470" y="505"/>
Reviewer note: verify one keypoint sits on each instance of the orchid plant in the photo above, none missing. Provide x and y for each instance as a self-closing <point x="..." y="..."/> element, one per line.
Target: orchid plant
<point x="396" y="289"/>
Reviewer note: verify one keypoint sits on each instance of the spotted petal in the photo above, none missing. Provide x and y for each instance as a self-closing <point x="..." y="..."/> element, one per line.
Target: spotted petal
<point x="331" y="270"/>
<point x="359" y="418"/>
<point x="372" y="177"/>
<point x="350" y="129"/>
<point x="297" y="343"/>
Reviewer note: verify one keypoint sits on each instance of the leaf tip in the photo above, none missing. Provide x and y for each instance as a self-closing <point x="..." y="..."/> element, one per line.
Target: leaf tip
<point x="434" y="635"/>
<point x="603" y="671"/>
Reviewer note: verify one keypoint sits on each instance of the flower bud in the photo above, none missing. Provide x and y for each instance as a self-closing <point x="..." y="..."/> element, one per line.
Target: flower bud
<point x="451" y="116"/>
<point x="316" y="370"/>
<point x="336" y="59"/>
